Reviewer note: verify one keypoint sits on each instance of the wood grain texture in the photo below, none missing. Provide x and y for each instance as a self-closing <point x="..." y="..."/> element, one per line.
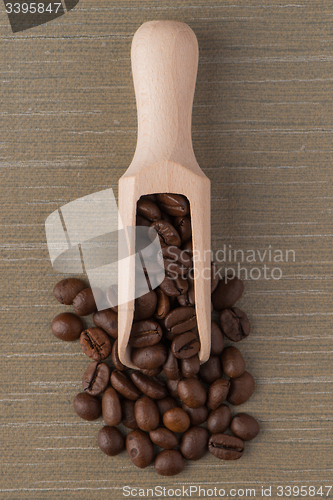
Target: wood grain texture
<point x="262" y="133"/>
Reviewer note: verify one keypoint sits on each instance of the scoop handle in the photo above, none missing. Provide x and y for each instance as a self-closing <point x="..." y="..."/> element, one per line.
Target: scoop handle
<point x="164" y="64"/>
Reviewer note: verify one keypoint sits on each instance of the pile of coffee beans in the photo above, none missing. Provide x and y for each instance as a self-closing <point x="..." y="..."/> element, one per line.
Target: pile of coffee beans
<point x="170" y="402"/>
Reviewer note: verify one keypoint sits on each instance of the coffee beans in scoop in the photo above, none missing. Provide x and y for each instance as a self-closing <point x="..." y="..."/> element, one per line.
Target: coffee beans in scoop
<point x="171" y="409"/>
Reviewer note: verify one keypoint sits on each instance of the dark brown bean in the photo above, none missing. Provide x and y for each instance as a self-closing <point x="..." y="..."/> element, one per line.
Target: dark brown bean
<point x="194" y="443"/>
<point x="163" y="437"/>
<point x="115" y="357"/>
<point x="226" y="447"/>
<point x="67" y="326"/>
<point x="87" y="407"/>
<point x="227" y="293"/>
<point x="235" y="324"/>
<point x="140" y="449"/>
<point x="153" y="388"/>
<point x="172" y="387"/>
<point x="170" y="367"/>
<point x="185" y="345"/>
<point x="172" y="288"/>
<point x="167" y="233"/>
<point x="183" y="226"/>
<point x="124" y="386"/>
<point x="217" y="340"/>
<point x="197" y="415"/>
<point x="217" y="393"/>
<point x="211" y="370"/>
<point x="150" y="357"/>
<point x="145" y="333"/>
<point x="145" y="306"/>
<point x="173" y="204"/>
<point x="84" y="303"/>
<point x="233" y="363"/>
<point x="96" y="378"/>
<point x="190" y="366"/>
<point x="111" y="407"/>
<point x="180" y="320"/>
<point x="111" y="441"/>
<point x="146" y="414"/>
<point x="169" y="463"/>
<point x="176" y="419"/>
<point x="166" y="404"/>
<point x="153" y="372"/>
<point x="163" y="304"/>
<point x="191" y="392"/>
<point x="219" y="419"/>
<point x="127" y="411"/>
<point x="175" y="254"/>
<point x="66" y="290"/>
<point x="241" y="389"/>
<point x="148" y="209"/>
<point x="244" y="426"/>
<point x="108" y="321"/>
<point x="95" y="343"/>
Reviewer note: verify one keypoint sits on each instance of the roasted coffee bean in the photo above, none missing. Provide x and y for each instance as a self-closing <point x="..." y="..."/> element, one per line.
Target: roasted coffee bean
<point x="167" y="233"/>
<point x="191" y="392"/>
<point x="87" y="407"/>
<point x="95" y="343"/>
<point x="197" y="415"/>
<point x="244" y="426"/>
<point x="217" y="393"/>
<point x="187" y="298"/>
<point x="180" y="320"/>
<point x="146" y="414"/>
<point x="211" y="370"/>
<point x="185" y="345"/>
<point x="175" y="254"/>
<point x="145" y="306"/>
<point x="169" y="463"/>
<point x="150" y="357"/>
<point x="187" y="247"/>
<point x="183" y="226"/>
<point x="163" y="437"/>
<point x="148" y="209"/>
<point x="153" y="372"/>
<point x="233" y="363"/>
<point x="66" y="290"/>
<point x="219" y="419"/>
<point x="235" y="324"/>
<point x="176" y="419"/>
<point x="217" y="340"/>
<point x="67" y="326"/>
<point x="215" y="278"/>
<point x="241" y="389"/>
<point x="111" y="296"/>
<point x="124" y="386"/>
<point x="174" y="270"/>
<point x="111" y="407"/>
<point x="145" y="333"/>
<point x="115" y="357"/>
<point x="140" y="449"/>
<point x="111" y="441"/>
<point x="127" y="412"/>
<point x="96" y="378"/>
<point x="226" y="447"/>
<point x="142" y="221"/>
<point x="194" y="442"/>
<point x="166" y="404"/>
<point x="172" y="387"/>
<point x="173" y="204"/>
<point x="190" y="366"/>
<point x="108" y="321"/>
<point x="227" y="293"/>
<point x="84" y="303"/>
<point x="169" y="286"/>
<point x="170" y="367"/>
<point x="163" y="304"/>
<point x="153" y="388"/>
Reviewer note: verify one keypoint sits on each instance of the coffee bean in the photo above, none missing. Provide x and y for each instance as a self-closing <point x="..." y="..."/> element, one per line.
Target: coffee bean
<point x="217" y="340"/>
<point x="194" y="442"/>
<point x="163" y="304"/>
<point x="108" y="321"/>
<point x="111" y="441"/>
<point x="244" y="426"/>
<point x="169" y="463"/>
<point x="235" y="324"/>
<point x="67" y="326"/>
<point x="176" y="419"/>
<point x="167" y="233"/>
<point x="153" y="372"/>
<point x="217" y="393"/>
<point x="150" y="357"/>
<point x="175" y="254"/>
<point x="190" y="366"/>
<point x="145" y="333"/>
<point x="241" y="389"/>
<point x="197" y="415"/>
<point x="166" y="404"/>
<point x="233" y="363"/>
<point x="95" y="343"/>
<point x="219" y="419"/>
<point x="124" y="386"/>
<point x="170" y="367"/>
<point x="163" y="437"/>
<point x="145" y="306"/>
<point x="185" y="345"/>
<point x="111" y="407"/>
<point x="87" y="407"/>
<point x="127" y="412"/>
<point x="115" y="357"/>
<point x="226" y="447"/>
<point x="173" y="204"/>
<point x="146" y="414"/>
<point x="96" y="378"/>
<point x="140" y="449"/>
<point x="183" y="226"/>
<point x="148" y="209"/>
<point x="187" y="298"/>
<point x="172" y="288"/>
<point x="191" y="392"/>
<point x="211" y="370"/>
<point x="180" y="320"/>
<point x="66" y="290"/>
<point x="153" y="388"/>
<point x="227" y="293"/>
<point x="172" y="387"/>
<point x="142" y="221"/>
<point x="84" y="303"/>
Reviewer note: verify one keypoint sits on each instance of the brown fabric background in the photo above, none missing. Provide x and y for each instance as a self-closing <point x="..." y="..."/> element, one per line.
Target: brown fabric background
<point x="262" y="132"/>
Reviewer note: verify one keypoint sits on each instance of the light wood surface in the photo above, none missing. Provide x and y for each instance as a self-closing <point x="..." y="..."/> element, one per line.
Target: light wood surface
<point x="164" y="64"/>
<point x="262" y="133"/>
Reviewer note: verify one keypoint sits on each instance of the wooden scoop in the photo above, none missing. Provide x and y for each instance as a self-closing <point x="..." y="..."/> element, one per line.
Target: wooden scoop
<point x="164" y="64"/>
